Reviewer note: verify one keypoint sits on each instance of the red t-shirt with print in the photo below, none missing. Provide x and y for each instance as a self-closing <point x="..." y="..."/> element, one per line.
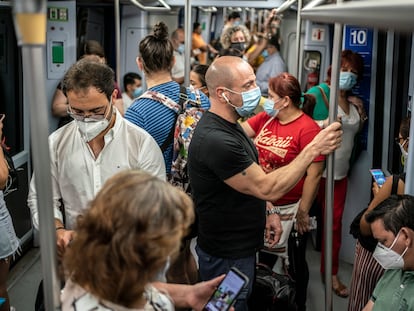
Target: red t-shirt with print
<point x="279" y="144"/>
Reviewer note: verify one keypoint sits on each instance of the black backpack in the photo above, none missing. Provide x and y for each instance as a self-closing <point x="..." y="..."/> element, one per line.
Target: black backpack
<point x="272" y="291"/>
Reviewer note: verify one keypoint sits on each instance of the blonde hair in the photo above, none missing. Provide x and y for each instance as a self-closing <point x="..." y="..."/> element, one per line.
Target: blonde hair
<point x="225" y="38"/>
<point x="125" y="237"/>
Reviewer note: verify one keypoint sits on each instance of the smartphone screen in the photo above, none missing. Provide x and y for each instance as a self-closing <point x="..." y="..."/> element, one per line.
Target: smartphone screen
<point x="227" y="291"/>
<point x="379" y="176"/>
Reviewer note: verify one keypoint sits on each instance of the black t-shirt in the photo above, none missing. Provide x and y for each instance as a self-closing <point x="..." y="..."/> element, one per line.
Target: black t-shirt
<point x="230" y="224"/>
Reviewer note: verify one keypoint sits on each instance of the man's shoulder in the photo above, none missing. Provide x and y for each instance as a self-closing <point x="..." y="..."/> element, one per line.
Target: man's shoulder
<point x="68" y="129"/>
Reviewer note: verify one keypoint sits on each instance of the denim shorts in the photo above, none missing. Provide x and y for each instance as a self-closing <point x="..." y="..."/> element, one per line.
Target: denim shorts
<point x="9" y="243"/>
<point x="211" y="267"/>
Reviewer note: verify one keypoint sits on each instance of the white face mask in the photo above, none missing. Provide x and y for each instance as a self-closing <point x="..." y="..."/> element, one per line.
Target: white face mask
<point x="90" y="128"/>
<point x="388" y="258"/>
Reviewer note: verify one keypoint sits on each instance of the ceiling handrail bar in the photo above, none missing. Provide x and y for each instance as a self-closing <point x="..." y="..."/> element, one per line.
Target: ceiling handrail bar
<point x="382" y="14"/>
<point x="165" y="7"/>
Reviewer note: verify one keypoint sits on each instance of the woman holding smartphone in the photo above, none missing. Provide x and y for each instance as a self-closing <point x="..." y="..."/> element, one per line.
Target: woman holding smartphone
<point x="366" y="270"/>
<point x="9" y="243"/>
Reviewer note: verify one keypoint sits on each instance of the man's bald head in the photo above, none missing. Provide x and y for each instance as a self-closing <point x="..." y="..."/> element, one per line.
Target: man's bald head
<point x="224" y="71"/>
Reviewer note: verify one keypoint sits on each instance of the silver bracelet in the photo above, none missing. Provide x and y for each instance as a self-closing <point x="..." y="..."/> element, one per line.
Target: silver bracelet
<point x="273" y="210"/>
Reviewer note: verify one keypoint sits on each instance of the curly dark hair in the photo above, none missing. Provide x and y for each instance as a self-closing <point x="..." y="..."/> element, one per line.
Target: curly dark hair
<point x="396" y="211"/>
<point x="87" y="73"/>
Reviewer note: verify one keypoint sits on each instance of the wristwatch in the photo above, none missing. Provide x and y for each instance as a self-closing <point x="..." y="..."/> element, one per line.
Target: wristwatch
<point x="273" y="210"/>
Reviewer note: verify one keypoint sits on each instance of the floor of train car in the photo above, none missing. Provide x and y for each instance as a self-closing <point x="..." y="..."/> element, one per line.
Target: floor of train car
<point x="25" y="276"/>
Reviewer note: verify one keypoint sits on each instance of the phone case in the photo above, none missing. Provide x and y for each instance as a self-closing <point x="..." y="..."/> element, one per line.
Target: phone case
<point x="227" y="291"/>
<point x="379" y="176"/>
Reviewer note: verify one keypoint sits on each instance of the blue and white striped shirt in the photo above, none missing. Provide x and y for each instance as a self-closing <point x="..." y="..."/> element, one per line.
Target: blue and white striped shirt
<point x="156" y="118"/>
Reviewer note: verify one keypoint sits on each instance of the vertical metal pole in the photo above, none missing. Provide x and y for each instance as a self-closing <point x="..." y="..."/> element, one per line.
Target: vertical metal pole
<point x="188" y="41"/>
<point x="30" y="24"/>
<point x="333" y="112"/>
<point x="117" y="13"/>
<point x="409" y="166"/>
<point x="299" y="51"/>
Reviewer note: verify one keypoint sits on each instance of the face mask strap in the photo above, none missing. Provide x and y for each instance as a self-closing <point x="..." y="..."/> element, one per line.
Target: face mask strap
<point x="395" y="240"/>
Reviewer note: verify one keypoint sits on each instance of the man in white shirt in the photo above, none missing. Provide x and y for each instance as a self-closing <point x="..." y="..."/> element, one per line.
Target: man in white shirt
<point x="98" y="144"/>
<point x="133" y="88"/>
<point x="177" y="40"/>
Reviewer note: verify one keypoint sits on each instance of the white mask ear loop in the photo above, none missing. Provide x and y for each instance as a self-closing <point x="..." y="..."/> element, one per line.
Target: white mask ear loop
<point x="395" y="240"/>
<point x="225" y="98"/>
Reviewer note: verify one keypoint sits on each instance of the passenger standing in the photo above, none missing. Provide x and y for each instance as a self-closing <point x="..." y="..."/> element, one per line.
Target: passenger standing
<point x="234" y="19"/>
<point x="133" y="88"/>
<point x="9" y="243"/>
<point x="178" y="42"/>
<point x="198" y="78"/>
<point x="272" y="65"/>
<point x="366" y="270"/>
<point x="137" y="220"/>
<point x="280" y="133"/>
<point x="352" y="113"/>
<point x="229" y="187"/>
<point x="236" y="37"/>
<point x="199" y="46"/>
<point x="97" y="145"/>
<point x="392" y="225"/>
<point x="156" y="60"/>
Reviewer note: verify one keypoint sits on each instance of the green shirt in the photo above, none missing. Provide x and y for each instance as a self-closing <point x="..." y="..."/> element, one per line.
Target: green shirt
<point x="320" y="112"/>
<point x="394" y="291"/>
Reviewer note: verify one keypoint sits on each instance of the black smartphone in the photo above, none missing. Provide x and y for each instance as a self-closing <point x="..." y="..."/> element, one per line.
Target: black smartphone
<point x="379" y="176"/>
<point x="227" y="291"/>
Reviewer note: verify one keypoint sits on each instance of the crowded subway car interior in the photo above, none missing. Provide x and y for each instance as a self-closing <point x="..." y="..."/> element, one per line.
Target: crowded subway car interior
<point x="41" y="40"/>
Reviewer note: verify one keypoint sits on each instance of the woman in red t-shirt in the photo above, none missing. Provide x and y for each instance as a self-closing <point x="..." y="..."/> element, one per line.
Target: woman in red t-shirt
<point x="280" y="133"/>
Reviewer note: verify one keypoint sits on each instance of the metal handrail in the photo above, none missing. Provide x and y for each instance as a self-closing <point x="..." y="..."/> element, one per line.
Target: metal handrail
<point x="382" y="14"/>
<point x="165" y="6"/>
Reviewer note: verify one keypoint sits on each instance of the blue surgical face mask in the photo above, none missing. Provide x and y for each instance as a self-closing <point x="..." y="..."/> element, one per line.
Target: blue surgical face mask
<point x="265" y="53"/>
<point x="181" y="48"/>
<point x="250" y="101"/>
<point x="347" y="80"/>
<point x="269" y="107"/>
<point x="237" y="23"/>
<point x="138" y="92"/>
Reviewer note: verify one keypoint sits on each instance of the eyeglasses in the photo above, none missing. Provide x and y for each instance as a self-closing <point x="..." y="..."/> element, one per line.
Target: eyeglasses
<point x="92" y="114"/>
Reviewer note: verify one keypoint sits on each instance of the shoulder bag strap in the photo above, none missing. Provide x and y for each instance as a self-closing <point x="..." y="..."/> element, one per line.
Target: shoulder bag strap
<point x="395" y="180"/>
<point x="183" y="98"/>
<point x="177" y="108"/>
<point x="325" y="99"/>
<point x="165" y="100"/>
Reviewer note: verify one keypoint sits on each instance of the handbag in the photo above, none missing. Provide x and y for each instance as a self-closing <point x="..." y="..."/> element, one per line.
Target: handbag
<point x="272" y="291"/>
<point x="12" y="183"/>
<point x="367" y="242"/>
